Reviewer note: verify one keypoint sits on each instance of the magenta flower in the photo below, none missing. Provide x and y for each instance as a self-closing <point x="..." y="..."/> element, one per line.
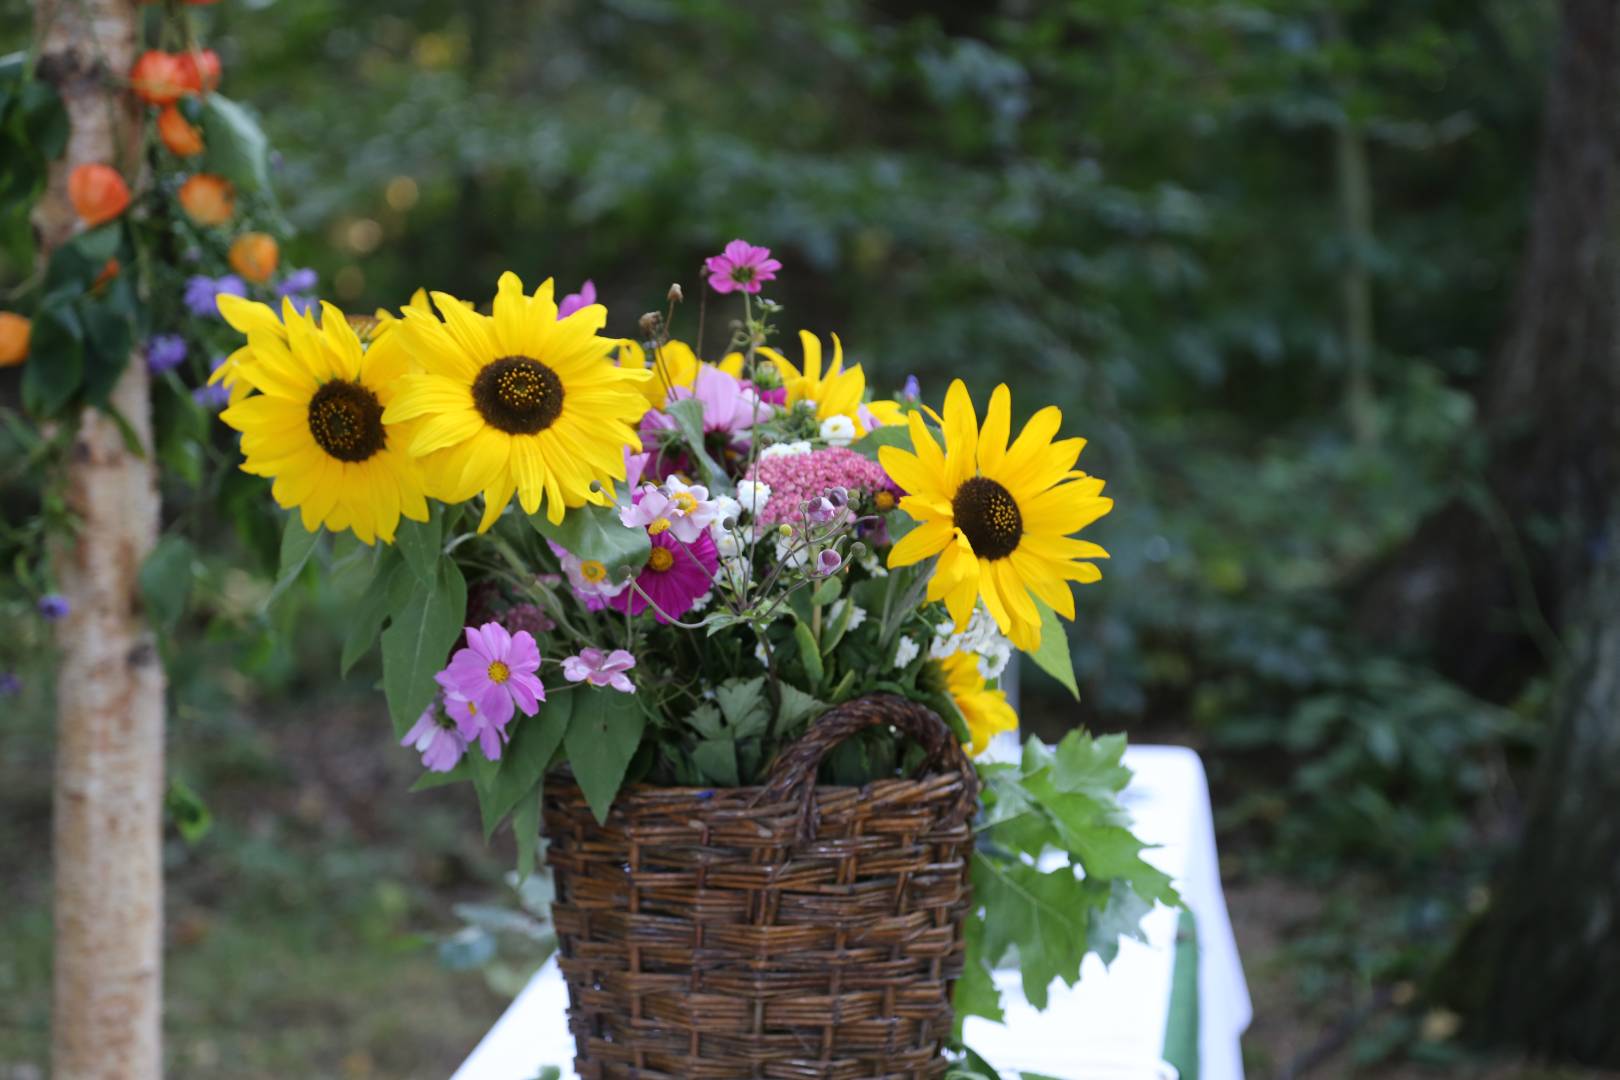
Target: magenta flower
<point x="601" y="669"/>
<point x="730" y="406"/>
<point x="574" y="301"/>
<point x="676" y="574"/>
<point x="741" y="266"/>
<point x="436" y="738"/>
<point x="496" y="672"/>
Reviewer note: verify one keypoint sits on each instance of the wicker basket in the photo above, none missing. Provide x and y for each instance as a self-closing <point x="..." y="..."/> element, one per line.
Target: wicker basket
<point x="784" y="931"/>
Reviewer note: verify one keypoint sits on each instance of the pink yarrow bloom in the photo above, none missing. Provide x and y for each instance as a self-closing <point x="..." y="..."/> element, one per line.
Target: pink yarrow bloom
<point x="594" y="666"/>
<point x="799" y="478"/>
<point x="681" y="509"/>
<point x="574" y="301"/>
<point x="436" y="737"/>
<point x="495" y="675"/>
<point x="675" y="576"/>
<point x="741" y="266"/>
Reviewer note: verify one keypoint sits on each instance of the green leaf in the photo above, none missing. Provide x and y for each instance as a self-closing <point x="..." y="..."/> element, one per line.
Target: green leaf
<point x="743" y="703"/>
<point x="797" y="708"/>
<point x="55" y="367"/>
<point x="44" y="119"/>
<point x="1044" y="916"/>
<point x="595" y="532"/>
<point x="367" y="614"/>
<point x="975" y="993"/>
<point x="418" y="640"/>
<point x="1052" y="656"/>
<point x="717" y="760"/>
<point x="707" y="721"/>
<point x="809" y="653"/>
<point x="297" y="544"/>
<point x="523" y="761"/>
<point x="891" y="435"/>
<point x="187" y="810"/>
<point x="526" y="831"/>
<point x="1120" y="917"/>
<point x="165" y="581"/>
<point x="422" y="543"/>
<point x="237" y="147"/>
<point x="602" y="738"/>
<point x="688" y="416"/>
<point x="827" y="591"/>
<point x="109" y="335"/>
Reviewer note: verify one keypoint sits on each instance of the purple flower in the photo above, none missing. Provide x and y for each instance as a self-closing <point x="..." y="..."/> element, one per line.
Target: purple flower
<point x="574" y="301"/>
<point x="212" y="397"/>
<point x="202" y="293"/>
<point x="912" y="391"/>
<point x="730" y="406"/>
<point x="165" y="352"/>
<point x="495" y="673"/>
<point x="298" y="283"/>
<point x="435" y="737"/>
<point x="828" y="562"/>
<point x="601" y="669"/>
<point x="676" y="574"/>
<point x="10" y="685"/>
<point x="54" y="606"/>
<point x="741" y="266"/>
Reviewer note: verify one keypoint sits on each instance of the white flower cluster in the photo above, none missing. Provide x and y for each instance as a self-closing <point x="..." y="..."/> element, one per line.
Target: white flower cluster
<point x="838" y="430"/>
<point x="982" y="638"/>
<point x="786" y="449"/>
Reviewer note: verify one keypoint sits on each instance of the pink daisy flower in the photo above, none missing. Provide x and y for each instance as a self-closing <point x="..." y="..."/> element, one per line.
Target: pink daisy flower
<point x="601" y="669"/>
<point x="676" y="574"/>
<point x="574" y="301"/>
<point x="730" y="406"/>
<point x="495" y="672"/>
<point x="436" y="738"/>
<point x="741" y="266"/>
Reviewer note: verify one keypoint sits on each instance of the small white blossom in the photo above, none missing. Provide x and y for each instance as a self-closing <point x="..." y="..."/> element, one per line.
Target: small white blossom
<point x="838" y="430"/>
<point x="787" y="449"/>
<point x="791" y="550"/>
<point x="905" y="652"/>
<point x="751" y="494"/>
<point x="873" y="565"/>
<point x="702" y="602"/>
<point x="856" y="616"/>
<point x="761" y="655"/>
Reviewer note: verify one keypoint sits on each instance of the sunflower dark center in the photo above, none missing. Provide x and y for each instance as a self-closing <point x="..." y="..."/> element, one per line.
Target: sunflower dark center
<point x="519" y="395"/>
<point x="988" y="516"/>
<point x="346" y="421"/>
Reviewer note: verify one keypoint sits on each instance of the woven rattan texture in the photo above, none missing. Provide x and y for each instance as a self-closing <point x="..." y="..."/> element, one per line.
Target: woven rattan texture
<point x="789" y="931"/>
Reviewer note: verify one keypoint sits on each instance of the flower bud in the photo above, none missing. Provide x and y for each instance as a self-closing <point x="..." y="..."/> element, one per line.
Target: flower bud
<point x="674" y="295"/>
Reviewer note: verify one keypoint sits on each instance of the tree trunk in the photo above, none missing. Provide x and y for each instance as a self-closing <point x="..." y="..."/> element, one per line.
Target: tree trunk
<point x="1540" y="972"/>
<point x="107" y="813"/>
<point x="1486" y="582"/>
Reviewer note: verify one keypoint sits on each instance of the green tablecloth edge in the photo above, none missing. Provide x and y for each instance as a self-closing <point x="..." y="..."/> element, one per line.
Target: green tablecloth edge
<point x="1181" y="1024"/>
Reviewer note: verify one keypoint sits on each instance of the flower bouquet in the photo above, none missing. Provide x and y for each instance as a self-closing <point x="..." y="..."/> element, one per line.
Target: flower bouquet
<point x="728" y="634"/>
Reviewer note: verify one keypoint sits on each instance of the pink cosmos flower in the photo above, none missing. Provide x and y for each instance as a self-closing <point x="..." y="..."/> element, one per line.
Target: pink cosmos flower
<point x="741" y="266"/>
<point x="574" y="301"/>
<point x="436" y="738"/>
<point x="495" y="672"/>
<point x="589" y="579"/>
<point x="676" y="574"/>
<point x="685" y="510"/>
<point x="601" y="669"/>
<point x="730" y="406"/>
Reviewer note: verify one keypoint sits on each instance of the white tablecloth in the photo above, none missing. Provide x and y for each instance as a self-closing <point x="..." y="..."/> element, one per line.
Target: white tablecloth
<point x="1110" y="1026"/>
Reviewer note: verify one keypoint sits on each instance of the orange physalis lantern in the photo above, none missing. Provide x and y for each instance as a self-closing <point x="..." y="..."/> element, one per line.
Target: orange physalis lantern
<point x="98" y="193"/>
<point x="14" y="334"/>
<point x="179" y="134"/>
<point x="254" y="255"/>
<point x="159" y="78"/>
<point x="208" y="199"/>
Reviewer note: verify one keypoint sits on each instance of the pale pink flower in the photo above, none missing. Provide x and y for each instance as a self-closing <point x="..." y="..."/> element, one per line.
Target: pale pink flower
<point x="594" y="666"/>
<point x="437" y="738"/>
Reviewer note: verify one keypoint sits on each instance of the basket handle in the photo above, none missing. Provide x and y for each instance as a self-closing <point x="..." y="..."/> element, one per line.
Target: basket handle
<point x="793" y="774"/>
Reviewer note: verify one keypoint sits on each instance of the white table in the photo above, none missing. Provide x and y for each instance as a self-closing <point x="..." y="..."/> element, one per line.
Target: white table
<point x="1110" y="1026"/>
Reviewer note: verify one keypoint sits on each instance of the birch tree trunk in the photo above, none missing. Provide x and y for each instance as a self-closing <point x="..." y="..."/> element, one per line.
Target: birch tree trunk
<point x="107" y="814"/>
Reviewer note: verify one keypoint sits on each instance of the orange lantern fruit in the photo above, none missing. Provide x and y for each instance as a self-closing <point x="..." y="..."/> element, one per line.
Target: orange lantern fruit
<point x="179" y="134"/>
<point x="98" y="193"/>
<point x="159" y="78"/>
<point x="200" y="70"/>
<point x="208" y="199"/>
<point x="109" y="270"/>
<point x="14" y="334"/>
<point x="254" y="255"/>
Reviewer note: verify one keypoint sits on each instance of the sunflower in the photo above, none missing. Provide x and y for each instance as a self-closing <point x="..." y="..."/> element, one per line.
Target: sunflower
<point x="998" y="517"/>
<point x="516" y="402"/>
<point x="836" y="390"/>
<point x="316" y="425"/>
<point x="986" y="710"/>
<point x="247" y="318"/>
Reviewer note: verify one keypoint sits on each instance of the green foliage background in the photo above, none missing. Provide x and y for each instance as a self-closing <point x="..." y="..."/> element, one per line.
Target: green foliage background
<point x="1129" y="208"/>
